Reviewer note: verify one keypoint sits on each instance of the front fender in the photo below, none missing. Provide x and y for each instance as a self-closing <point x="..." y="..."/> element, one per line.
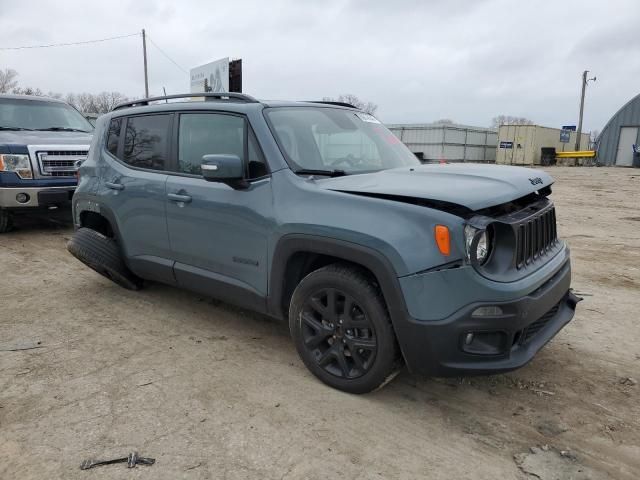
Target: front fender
<point x="369" y="258"/>
<point x="401" y="231"/>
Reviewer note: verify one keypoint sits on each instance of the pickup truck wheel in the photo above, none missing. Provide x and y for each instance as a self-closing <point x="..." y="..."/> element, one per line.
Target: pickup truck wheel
<point x="342" y="331"/>
<point x="6" y="221"/>
<point x="102" y="254"/>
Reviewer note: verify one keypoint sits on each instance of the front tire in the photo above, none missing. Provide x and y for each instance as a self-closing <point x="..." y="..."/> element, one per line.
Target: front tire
<point x="6" y="221"/>
<point x="342" y="330"/>
<point x="102" y="254"/>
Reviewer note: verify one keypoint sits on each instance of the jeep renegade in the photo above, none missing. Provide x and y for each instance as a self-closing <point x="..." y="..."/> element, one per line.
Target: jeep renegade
<point x="316" y="213"/>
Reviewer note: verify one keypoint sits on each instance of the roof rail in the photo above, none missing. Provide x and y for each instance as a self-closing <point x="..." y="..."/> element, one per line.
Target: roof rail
<point x="331" y="102"/>
<point x="208" y="96"/>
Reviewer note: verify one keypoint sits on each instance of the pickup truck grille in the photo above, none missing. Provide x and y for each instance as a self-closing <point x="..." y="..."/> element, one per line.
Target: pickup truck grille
<point x="60" y="163"/>
<point x="535" y="236"/>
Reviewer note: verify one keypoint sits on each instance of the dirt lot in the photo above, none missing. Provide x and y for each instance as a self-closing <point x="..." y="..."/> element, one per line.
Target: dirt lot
<point x="215" y="392"/>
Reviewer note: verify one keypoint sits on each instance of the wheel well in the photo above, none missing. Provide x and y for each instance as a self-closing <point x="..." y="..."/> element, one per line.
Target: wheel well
<point x="96" y="222"/>
<point x="301" y="264"/>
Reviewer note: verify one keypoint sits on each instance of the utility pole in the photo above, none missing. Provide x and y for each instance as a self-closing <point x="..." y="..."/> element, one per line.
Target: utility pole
<point x="146" y="76"/>
<point x="585" y="80"/>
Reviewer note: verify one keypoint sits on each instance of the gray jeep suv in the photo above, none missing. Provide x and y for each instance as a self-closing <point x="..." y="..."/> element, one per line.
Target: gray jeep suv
<point x="316" y="213"/>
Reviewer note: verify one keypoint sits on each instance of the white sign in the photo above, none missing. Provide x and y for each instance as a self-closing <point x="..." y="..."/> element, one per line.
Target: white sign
<point x="212" y="77"/>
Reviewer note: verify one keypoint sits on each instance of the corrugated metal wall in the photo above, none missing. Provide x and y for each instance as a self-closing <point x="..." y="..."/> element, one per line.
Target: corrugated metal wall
<point x="627" y="116"/>
<point x="453" y="143"/>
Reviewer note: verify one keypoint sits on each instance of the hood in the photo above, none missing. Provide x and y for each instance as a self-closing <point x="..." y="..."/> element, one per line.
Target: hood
<point x="473" y="186"/>
<point x="27" y="137"/>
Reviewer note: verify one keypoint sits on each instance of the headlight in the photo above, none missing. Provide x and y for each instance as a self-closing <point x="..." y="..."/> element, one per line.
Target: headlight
<point x="16" y="163"/>
<point x="481" y="247"/>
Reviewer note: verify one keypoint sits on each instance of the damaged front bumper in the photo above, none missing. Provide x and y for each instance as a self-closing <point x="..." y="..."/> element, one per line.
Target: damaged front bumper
<point x="483" y="327"/>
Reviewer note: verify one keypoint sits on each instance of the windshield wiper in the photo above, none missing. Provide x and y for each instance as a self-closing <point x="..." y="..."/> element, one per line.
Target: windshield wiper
<point x="328" y="173"/>
<point x="61" y="129"/>
<point x="14" y="128"/>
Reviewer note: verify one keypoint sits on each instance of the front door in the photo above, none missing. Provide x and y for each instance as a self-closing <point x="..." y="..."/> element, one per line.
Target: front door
<point x="628" y="138"/>
<point x="219" y="234"/>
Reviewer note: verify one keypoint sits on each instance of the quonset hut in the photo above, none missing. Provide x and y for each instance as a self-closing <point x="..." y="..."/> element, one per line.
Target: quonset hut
<point x="620" y="134"/>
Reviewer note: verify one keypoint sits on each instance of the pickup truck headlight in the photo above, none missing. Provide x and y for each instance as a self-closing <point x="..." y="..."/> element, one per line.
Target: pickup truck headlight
<point x="16" y="163"/>
<point x="482" y="246"/>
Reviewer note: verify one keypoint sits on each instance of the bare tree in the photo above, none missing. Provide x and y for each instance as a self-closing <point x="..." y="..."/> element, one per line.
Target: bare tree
<point x="8" y="80"/>
<point x="509" y="120"/>
<point x="95" y="103"/>
<point x="85" y="102"/>
<point x="81" y="101"/>
<point x="444" y="121"/>
<point x="106" y="101"/>
<point x="368" y="107"/>
<point x="27" y="91"/>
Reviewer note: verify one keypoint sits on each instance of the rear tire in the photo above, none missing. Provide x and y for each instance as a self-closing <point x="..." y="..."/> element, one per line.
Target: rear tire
<point x="6" y="221"/>
<point x="342" y="331"/>
<point x="102" y="254"/>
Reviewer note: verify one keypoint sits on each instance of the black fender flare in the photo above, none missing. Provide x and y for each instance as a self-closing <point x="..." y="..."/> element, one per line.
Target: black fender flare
<point x="369" y="258"/>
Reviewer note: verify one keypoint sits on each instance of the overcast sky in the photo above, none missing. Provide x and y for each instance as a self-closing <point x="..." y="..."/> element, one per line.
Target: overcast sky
<point x="418" y="60"/>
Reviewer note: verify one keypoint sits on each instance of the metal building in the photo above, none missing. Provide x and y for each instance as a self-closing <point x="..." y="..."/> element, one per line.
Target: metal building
<point x="620" y="134"/>
<point x="523" y="144"/>
<point x="433" y="142"/>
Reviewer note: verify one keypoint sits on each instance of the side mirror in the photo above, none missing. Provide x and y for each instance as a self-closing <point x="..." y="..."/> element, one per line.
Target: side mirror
<point x="223" y="168"/>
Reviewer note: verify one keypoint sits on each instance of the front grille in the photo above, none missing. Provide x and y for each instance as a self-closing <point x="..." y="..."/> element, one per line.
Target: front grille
<point x="532" y="330"/>
<point x="60" y="163"/>
<point x="535" y="237"/>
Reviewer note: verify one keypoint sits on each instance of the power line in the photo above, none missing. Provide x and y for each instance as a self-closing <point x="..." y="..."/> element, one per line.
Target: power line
<point x="70" y="43"/>
<point x="167" y="56"/>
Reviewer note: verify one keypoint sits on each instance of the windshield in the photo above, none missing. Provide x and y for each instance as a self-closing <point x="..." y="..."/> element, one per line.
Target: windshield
<point x="333" y="139"/>
<point x="18" y="114"/>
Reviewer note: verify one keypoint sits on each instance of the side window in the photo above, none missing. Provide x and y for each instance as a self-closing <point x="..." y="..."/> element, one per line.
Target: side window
<point x="208" y="133"/>
<point x="145" y="141"/>
<point x="214" y="133"/>
<point x="113" y="136"/>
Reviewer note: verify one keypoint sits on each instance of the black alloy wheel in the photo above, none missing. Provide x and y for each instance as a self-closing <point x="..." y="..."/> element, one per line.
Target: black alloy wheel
<point x="338" y="333"/>
<point x="341" y="328"/>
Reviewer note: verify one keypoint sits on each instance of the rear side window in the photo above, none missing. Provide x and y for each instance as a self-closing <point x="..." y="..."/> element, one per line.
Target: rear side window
<point x="145" y="141"/>
<point x="113" y="136"/>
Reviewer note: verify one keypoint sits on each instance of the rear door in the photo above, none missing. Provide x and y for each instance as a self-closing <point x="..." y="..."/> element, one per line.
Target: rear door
<point x="218" y="234"/>
<point x="133" y="189"/>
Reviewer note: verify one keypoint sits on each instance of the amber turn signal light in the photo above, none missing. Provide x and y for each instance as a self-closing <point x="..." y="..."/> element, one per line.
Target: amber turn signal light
<point x="443" y="239"/>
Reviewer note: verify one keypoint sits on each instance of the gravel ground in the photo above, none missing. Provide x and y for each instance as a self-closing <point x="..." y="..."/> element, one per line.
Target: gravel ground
<point x="212" y="391"/>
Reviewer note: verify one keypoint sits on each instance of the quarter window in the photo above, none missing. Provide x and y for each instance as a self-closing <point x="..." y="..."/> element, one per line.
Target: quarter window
<point x="256" y="164"/>
<point x="113" y="136"/>
<point x="145" y="141"/>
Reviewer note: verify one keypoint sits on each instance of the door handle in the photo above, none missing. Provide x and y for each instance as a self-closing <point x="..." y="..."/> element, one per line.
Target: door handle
<point x="114" y="186"/>
<point x="174" y="197"/>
